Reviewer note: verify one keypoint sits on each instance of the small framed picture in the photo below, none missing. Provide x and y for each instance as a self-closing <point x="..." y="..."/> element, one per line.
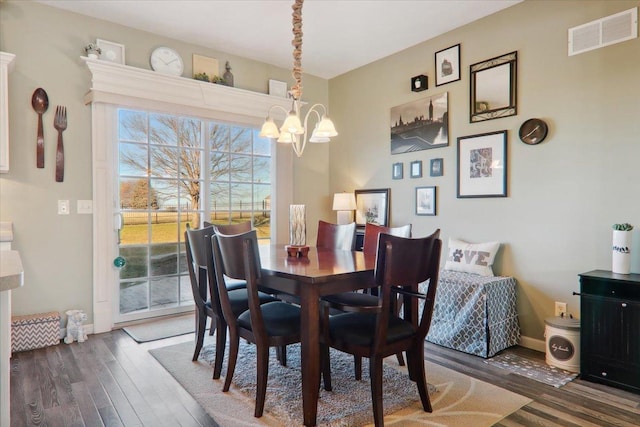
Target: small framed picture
<point x="112" y="52"/>
<point x="397" y="171"/>
<point x="482" y="165"/>
<point x="372" y="206"/>
<point x="205" y="65"/>
<point x="426" y="201"/>
<point x="448" y="65"/>
<point x="416" y="169"/>
<point x="436" y="167"/>
<point x="277" y="88"/>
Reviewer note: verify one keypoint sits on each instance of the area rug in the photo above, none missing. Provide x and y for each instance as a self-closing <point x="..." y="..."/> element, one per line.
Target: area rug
<point x="163" y="328"/>
<point x="532" y="369"/>
<point x="458" y="400"/>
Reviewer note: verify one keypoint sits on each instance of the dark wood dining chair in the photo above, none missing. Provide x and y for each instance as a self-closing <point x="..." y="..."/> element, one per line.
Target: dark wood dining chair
<point x="336" y="236"/>
<point x="361" y="302"/>
<point x="237" y="228"/>
<point x="401" y="265"/>
<point x="274" y="324"/>
<point x="205" y="293"/>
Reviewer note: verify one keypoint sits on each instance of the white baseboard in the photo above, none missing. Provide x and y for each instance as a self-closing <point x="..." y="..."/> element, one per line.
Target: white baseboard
<point x="533" y="343"/>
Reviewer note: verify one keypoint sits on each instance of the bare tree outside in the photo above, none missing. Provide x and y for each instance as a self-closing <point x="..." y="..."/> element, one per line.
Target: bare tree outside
<point x="174" y="160"/>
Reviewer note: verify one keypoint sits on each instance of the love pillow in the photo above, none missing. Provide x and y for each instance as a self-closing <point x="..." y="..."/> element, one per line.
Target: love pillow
<point x="471" y="257"/>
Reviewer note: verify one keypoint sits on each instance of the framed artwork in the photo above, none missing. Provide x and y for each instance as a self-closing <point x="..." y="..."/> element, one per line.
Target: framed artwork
<point x="204" y="64"/>
<point x="372" y="206"/>
<point x="277" y="88"/>
<point x="436" y="167"/>
<point x="397" y="171"/>
<point x="494" y="88"/>
<point x="112" y="52"/>
<point x="426" y="201"/>
<point x="448" y="65"/>
<point x="416" y="169"/>
<point x="420" y="125"/>
<point x="482" y="165"/>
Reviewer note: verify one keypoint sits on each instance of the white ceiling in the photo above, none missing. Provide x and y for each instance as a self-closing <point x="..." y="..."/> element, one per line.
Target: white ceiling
<point x="339" y="35"/>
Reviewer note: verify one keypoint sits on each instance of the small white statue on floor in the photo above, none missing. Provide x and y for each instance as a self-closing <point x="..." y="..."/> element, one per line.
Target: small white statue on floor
<point x="75" y="330"/>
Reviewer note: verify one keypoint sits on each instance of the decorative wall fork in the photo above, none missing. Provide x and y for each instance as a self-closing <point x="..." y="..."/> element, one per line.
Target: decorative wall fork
<point x="60" y="123"/>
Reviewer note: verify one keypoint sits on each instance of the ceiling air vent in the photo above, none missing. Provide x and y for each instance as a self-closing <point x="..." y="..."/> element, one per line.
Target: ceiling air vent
<point x="604" y="32"/>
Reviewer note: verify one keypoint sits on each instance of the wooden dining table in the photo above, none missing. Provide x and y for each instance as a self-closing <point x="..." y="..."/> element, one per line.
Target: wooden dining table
<point x="322" y="272"/>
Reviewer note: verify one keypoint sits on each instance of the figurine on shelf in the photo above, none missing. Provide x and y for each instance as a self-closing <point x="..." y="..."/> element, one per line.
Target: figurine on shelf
<point x="92" y="50"/>
<point x="228" y="77"/>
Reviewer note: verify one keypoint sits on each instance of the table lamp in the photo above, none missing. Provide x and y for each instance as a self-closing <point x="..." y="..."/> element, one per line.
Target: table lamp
<point x="345" y="204"/>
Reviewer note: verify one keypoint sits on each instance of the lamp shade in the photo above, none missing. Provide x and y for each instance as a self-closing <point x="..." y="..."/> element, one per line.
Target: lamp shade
<point x="344" y="202"/>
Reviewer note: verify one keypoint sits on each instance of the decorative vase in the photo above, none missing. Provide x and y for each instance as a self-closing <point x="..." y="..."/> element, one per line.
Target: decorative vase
<point x="621" y="256"/>
<point x="297" y="225"/>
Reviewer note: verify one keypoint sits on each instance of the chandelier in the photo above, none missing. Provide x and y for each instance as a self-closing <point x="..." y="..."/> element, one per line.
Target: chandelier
<point x="292" y="130"/>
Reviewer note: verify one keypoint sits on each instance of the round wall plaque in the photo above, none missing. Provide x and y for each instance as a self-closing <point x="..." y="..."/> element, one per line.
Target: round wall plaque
<point x="533" y="131"/>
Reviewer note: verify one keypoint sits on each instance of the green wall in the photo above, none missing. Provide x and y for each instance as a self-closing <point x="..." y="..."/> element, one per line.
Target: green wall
<point x="563" y="194"/>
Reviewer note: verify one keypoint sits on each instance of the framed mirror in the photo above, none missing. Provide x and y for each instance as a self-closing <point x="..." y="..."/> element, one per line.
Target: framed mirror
<point x="493" y="88"/>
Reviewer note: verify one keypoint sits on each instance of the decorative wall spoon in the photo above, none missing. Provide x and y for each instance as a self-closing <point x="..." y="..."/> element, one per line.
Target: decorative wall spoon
<point x="40" y="103"/>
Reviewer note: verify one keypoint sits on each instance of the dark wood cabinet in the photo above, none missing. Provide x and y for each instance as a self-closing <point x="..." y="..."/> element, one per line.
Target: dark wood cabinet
<point x="610" y="329"/>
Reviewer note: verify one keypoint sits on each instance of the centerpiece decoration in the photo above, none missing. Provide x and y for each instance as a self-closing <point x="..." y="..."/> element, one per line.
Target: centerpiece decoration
<point x="297" y="247"/>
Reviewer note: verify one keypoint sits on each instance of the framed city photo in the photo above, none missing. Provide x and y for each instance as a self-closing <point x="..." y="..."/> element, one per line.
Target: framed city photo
<point x="420" y="125"/>
<point x="436" y="167"/>
<point x="426" y="201"/>
<point x="372" y="206"/>
<point x="112" y="52"/>
<point x="482" y="165"/>
<point x="448" y="65"/>
<point x="416" y="169"/>
<point x="397" y="171"/>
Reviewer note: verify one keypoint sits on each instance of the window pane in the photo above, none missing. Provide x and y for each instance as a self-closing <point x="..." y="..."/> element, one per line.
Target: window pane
<point x="133" y="296"/>
<point x="190" y="164"/>
<point x="186" y="295"/>
<point x="136" y="262"/>
<point x="219" y="166"/>
<point x="164" y="259"/>
<point x="261" y="146"/>
<point x="164" y="161"/>
<point x="133" y="126"/>
<point x="240" y="168"/>
<point x="189" y="133"/>
<point x="218" y="137"/>
<point x="133" y="159"/>
<point x="190" y="195"/>
<point x="241" y="141"/>
<point x="241" y="197"/>
<point x="135" y="230"/>
<point x="219" y="196"/>
<point x="164" y="227"/>
<point x="262" y="169"/>
<point x="164" y="129"/>
<point x="135" y="194"/>
<point x="164" y="292"/>
<point x="167" y="194"/>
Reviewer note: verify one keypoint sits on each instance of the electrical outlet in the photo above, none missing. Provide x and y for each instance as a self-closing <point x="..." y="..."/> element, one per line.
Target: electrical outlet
<point x="63" y="207"/>
<point x="561" y="307"/>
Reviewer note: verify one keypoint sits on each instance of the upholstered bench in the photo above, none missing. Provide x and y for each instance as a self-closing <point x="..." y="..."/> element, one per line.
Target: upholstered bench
<point x="475" y="314"/>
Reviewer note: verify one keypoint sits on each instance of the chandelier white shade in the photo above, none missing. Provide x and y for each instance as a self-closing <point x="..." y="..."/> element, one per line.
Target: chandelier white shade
<point x="294" y="129"/>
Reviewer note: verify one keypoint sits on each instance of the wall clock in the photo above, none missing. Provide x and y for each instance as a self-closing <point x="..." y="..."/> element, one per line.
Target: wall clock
<point x="533" y="131"/>
<point x="166" y="61"/>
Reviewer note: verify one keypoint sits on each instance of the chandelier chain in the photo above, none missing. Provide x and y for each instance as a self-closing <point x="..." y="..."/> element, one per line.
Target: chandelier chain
<point x="296" y="89"/>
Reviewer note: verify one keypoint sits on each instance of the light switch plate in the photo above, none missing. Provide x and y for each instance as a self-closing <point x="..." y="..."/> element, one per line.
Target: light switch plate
<point x="85" y="206"/>
<point x="63" y="207"/>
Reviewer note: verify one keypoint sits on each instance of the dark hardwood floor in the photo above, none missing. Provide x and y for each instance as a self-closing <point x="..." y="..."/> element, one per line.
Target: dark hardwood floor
<point x="111" y="380"/>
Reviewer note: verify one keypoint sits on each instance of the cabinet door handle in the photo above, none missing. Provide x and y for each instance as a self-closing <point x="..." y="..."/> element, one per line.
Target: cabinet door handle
<point x="604" y="374"/>
<point x="624" y="305"/>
